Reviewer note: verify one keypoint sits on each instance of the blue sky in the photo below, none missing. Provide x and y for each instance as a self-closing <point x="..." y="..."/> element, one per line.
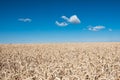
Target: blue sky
<point x="45" y="21"/>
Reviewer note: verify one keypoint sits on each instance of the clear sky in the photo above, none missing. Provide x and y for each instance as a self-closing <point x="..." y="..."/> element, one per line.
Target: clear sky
<point x="37" y="21"/>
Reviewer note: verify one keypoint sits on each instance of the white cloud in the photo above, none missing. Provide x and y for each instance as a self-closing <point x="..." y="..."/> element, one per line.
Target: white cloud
<point x="25" y="19"/>
<point x="65" y="18"/>
<point x="96" y="28"/>
<point x="61" y="24"/>
<point x="109" y="29"/>
<point x="73" y="19"/>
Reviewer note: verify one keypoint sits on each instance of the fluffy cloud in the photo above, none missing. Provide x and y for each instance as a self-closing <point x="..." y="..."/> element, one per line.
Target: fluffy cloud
<point x="61" y="24"/>
<point x="25" y="19"/>
<point x="73" y="19"/>
<point x="96" y="28"/>
<point x="65" y="18"/>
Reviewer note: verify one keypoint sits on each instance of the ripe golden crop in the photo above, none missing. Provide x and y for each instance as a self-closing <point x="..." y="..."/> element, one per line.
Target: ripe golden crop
<point x="66" y="61"/>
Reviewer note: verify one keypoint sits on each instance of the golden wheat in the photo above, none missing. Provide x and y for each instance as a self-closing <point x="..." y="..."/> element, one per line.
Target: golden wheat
<point x="68" y="61"/>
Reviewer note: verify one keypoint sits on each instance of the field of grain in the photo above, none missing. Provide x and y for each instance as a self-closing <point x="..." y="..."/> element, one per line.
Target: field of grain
<point x="66" y="61"/>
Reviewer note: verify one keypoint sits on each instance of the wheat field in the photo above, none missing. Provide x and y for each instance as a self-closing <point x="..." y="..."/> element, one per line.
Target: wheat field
<point x="65" y="61"/>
